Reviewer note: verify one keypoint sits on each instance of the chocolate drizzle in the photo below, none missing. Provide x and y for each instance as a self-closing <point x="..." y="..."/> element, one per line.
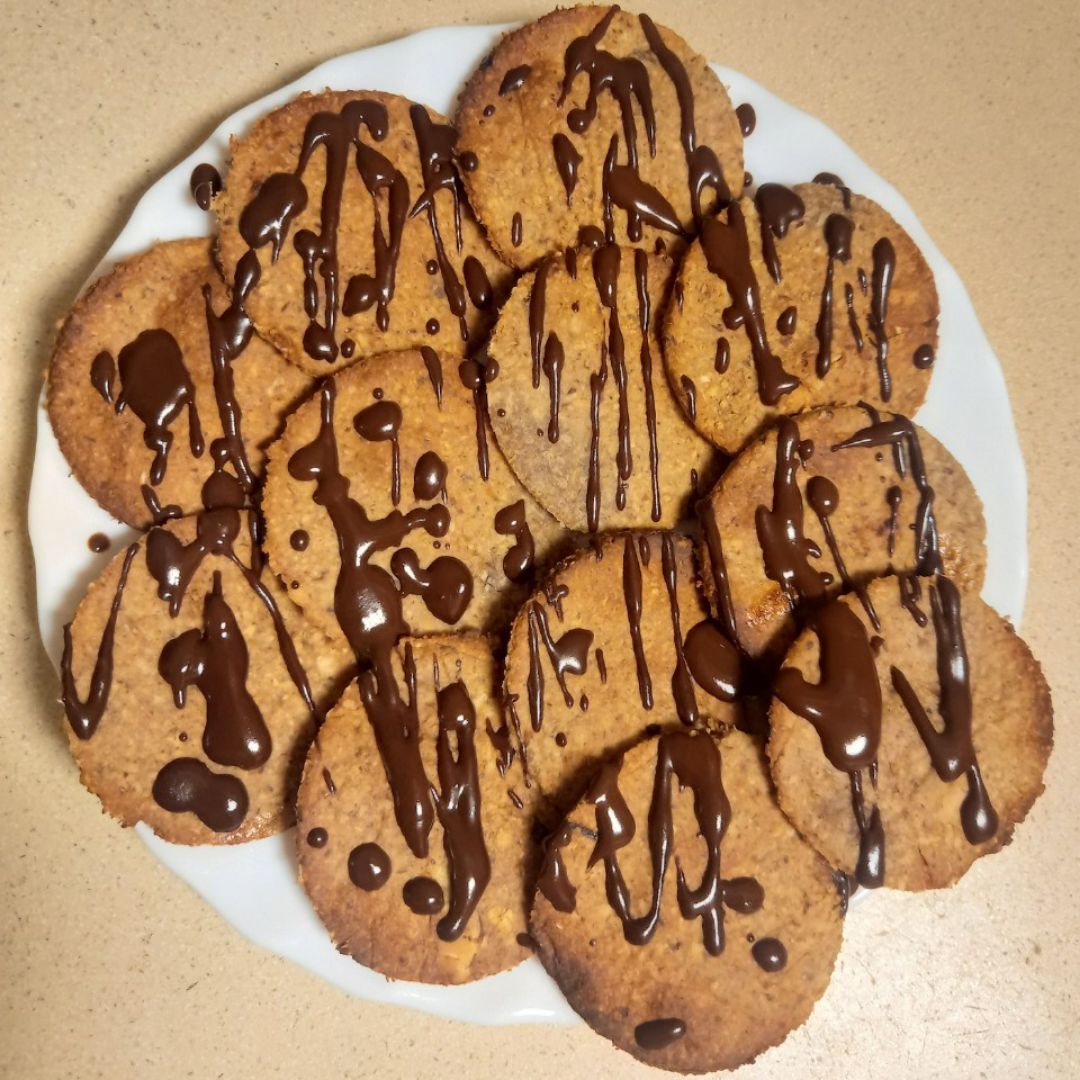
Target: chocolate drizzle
<point x="834" y="181"/>
<point x="567" y="160"/>
<point x="434" y="370"/>
<point x="218" y="800"/>
<point x="656" y="1034"/>
<point x="727" y="252"/>
<point x="215" y="659"/>
<point x="514" y="79"/>
<point x="824" y="498"/>
<point x="884" y="255"/>
<point x="381" y="422"/>
<point x="369" y="867"/>
<point x="553" y="882"/>
<point x="627" y="80"/>
<point x="724" y="604"/>
<point x="747" y="119"/>
<point x="457" y="803"/>
<point x="845" y="709"/>
<point x="682" y="686"/>
<point x="511" y="521"/>
<point x="475" y="377"/>
<point x="204" y="185"/>
<point x="951" y="750"/>
<point x="632" y="596"/>
<point x="429" y="477"/>
<point x="703" y="168"/>
<point x="713" y="661"/>
<point x="641" y="280"/>
<point x="569" y="655"/>
<point x="606" y="263"/>
<point x="838" y="230"/>
<point x="156" y="385"/>
<point x="899" y="433"/>
<point x="85" y="715"/>
<point x="439" y="170"/>
<point x="778" y="209"/>
<point x="694" y="760"/>
<point x="785" y="548"/>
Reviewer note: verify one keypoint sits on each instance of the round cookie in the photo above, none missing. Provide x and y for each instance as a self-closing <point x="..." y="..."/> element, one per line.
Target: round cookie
<point x="797" y="502"/>
<point x="581" y="406"/>
<point x="594" y="118"/>
<point x="442" y="900"/>
<point x="386" y="491"/>
<point x="345" y="231"/>
<point x="139" y="387"/>
<point x="678" y="910"/>
<point x="904" y="751"/>
<point x="192" y="686"/>
<point x="797" y="298"/>
<point x="615" y="642"/>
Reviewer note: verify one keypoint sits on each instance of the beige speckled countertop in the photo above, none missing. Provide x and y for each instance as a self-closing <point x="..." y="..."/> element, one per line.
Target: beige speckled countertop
<point x="110" y="967"/>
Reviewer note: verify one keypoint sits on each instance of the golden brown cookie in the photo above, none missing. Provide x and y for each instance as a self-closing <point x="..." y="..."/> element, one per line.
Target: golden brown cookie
<point x="678" y="910"/>
<point x="413" y="830"/>
<point x="345" y="231"/>
<point x="909" y="738"/>
<point x="581" y="406"/>
<point x="616" y="641"/>
<point x="796" y="298"/>
<point x="191" y="685"/>
<point x="594" y="118"/>
<point x="142" y="384"/>
<point x="387" y="489"/>
<point x="823" y="502"/>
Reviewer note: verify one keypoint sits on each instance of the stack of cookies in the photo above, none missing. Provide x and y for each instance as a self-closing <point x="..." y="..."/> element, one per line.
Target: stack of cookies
<point x="532" y="515"/>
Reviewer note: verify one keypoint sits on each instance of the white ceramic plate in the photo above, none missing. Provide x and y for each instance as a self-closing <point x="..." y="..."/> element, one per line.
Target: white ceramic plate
<point x="254" y="886"/>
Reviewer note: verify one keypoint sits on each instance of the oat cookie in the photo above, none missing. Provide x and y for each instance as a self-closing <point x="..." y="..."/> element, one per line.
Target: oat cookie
<point x="150" y="370"/>
<point x="592" y="118"/>
<point x="345" y="231"/>
<point x="796" y="298"/>
<point x="909" y="737"/>
<point x="679" y="911"/>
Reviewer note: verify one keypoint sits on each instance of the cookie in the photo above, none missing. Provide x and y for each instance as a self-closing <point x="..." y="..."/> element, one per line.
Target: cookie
<point x="617" y="641"/>
<point x="150" y="369"/>
<point x="797" y="298"/>
<point x="593" y="119"/>
<point x="906" y="746"/>
<point x="823" y="502"/>
<point x="345" y="231"/>
<point x="388" y="505"/>
<point x="678" y="910"/>
<point x="413" y="826"/>
<point x="192" y="686"/>
<point x="581" y="406"/>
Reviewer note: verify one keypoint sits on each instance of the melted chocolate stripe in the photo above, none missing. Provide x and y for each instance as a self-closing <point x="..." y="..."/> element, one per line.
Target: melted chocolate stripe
<point x="458" y="805"/>
<point x="951" y="750"/>
<point x="727" y="253"/>
<point x="845" y="708"/>
<point x="85" y="715"/>
<point x="641" y="278"/>
<point x="632" y="597"/>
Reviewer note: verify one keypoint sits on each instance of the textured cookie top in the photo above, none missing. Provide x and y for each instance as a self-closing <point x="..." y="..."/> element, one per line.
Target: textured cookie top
<point x="796" y="298"/>
<point x="358" y="238"/>
<point x="906" y="745"/>
<point x="824" y="502"/>
<point x="146" y="377"/>
<point x="389" y="506"/>
<point x="596" y="119"/>
<point x="191" y="685"/>
<point x="680" y="912"/>
<point x="617" y="640"/>
<point x="581" y="406"/>
<point x="413" y="821"/>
